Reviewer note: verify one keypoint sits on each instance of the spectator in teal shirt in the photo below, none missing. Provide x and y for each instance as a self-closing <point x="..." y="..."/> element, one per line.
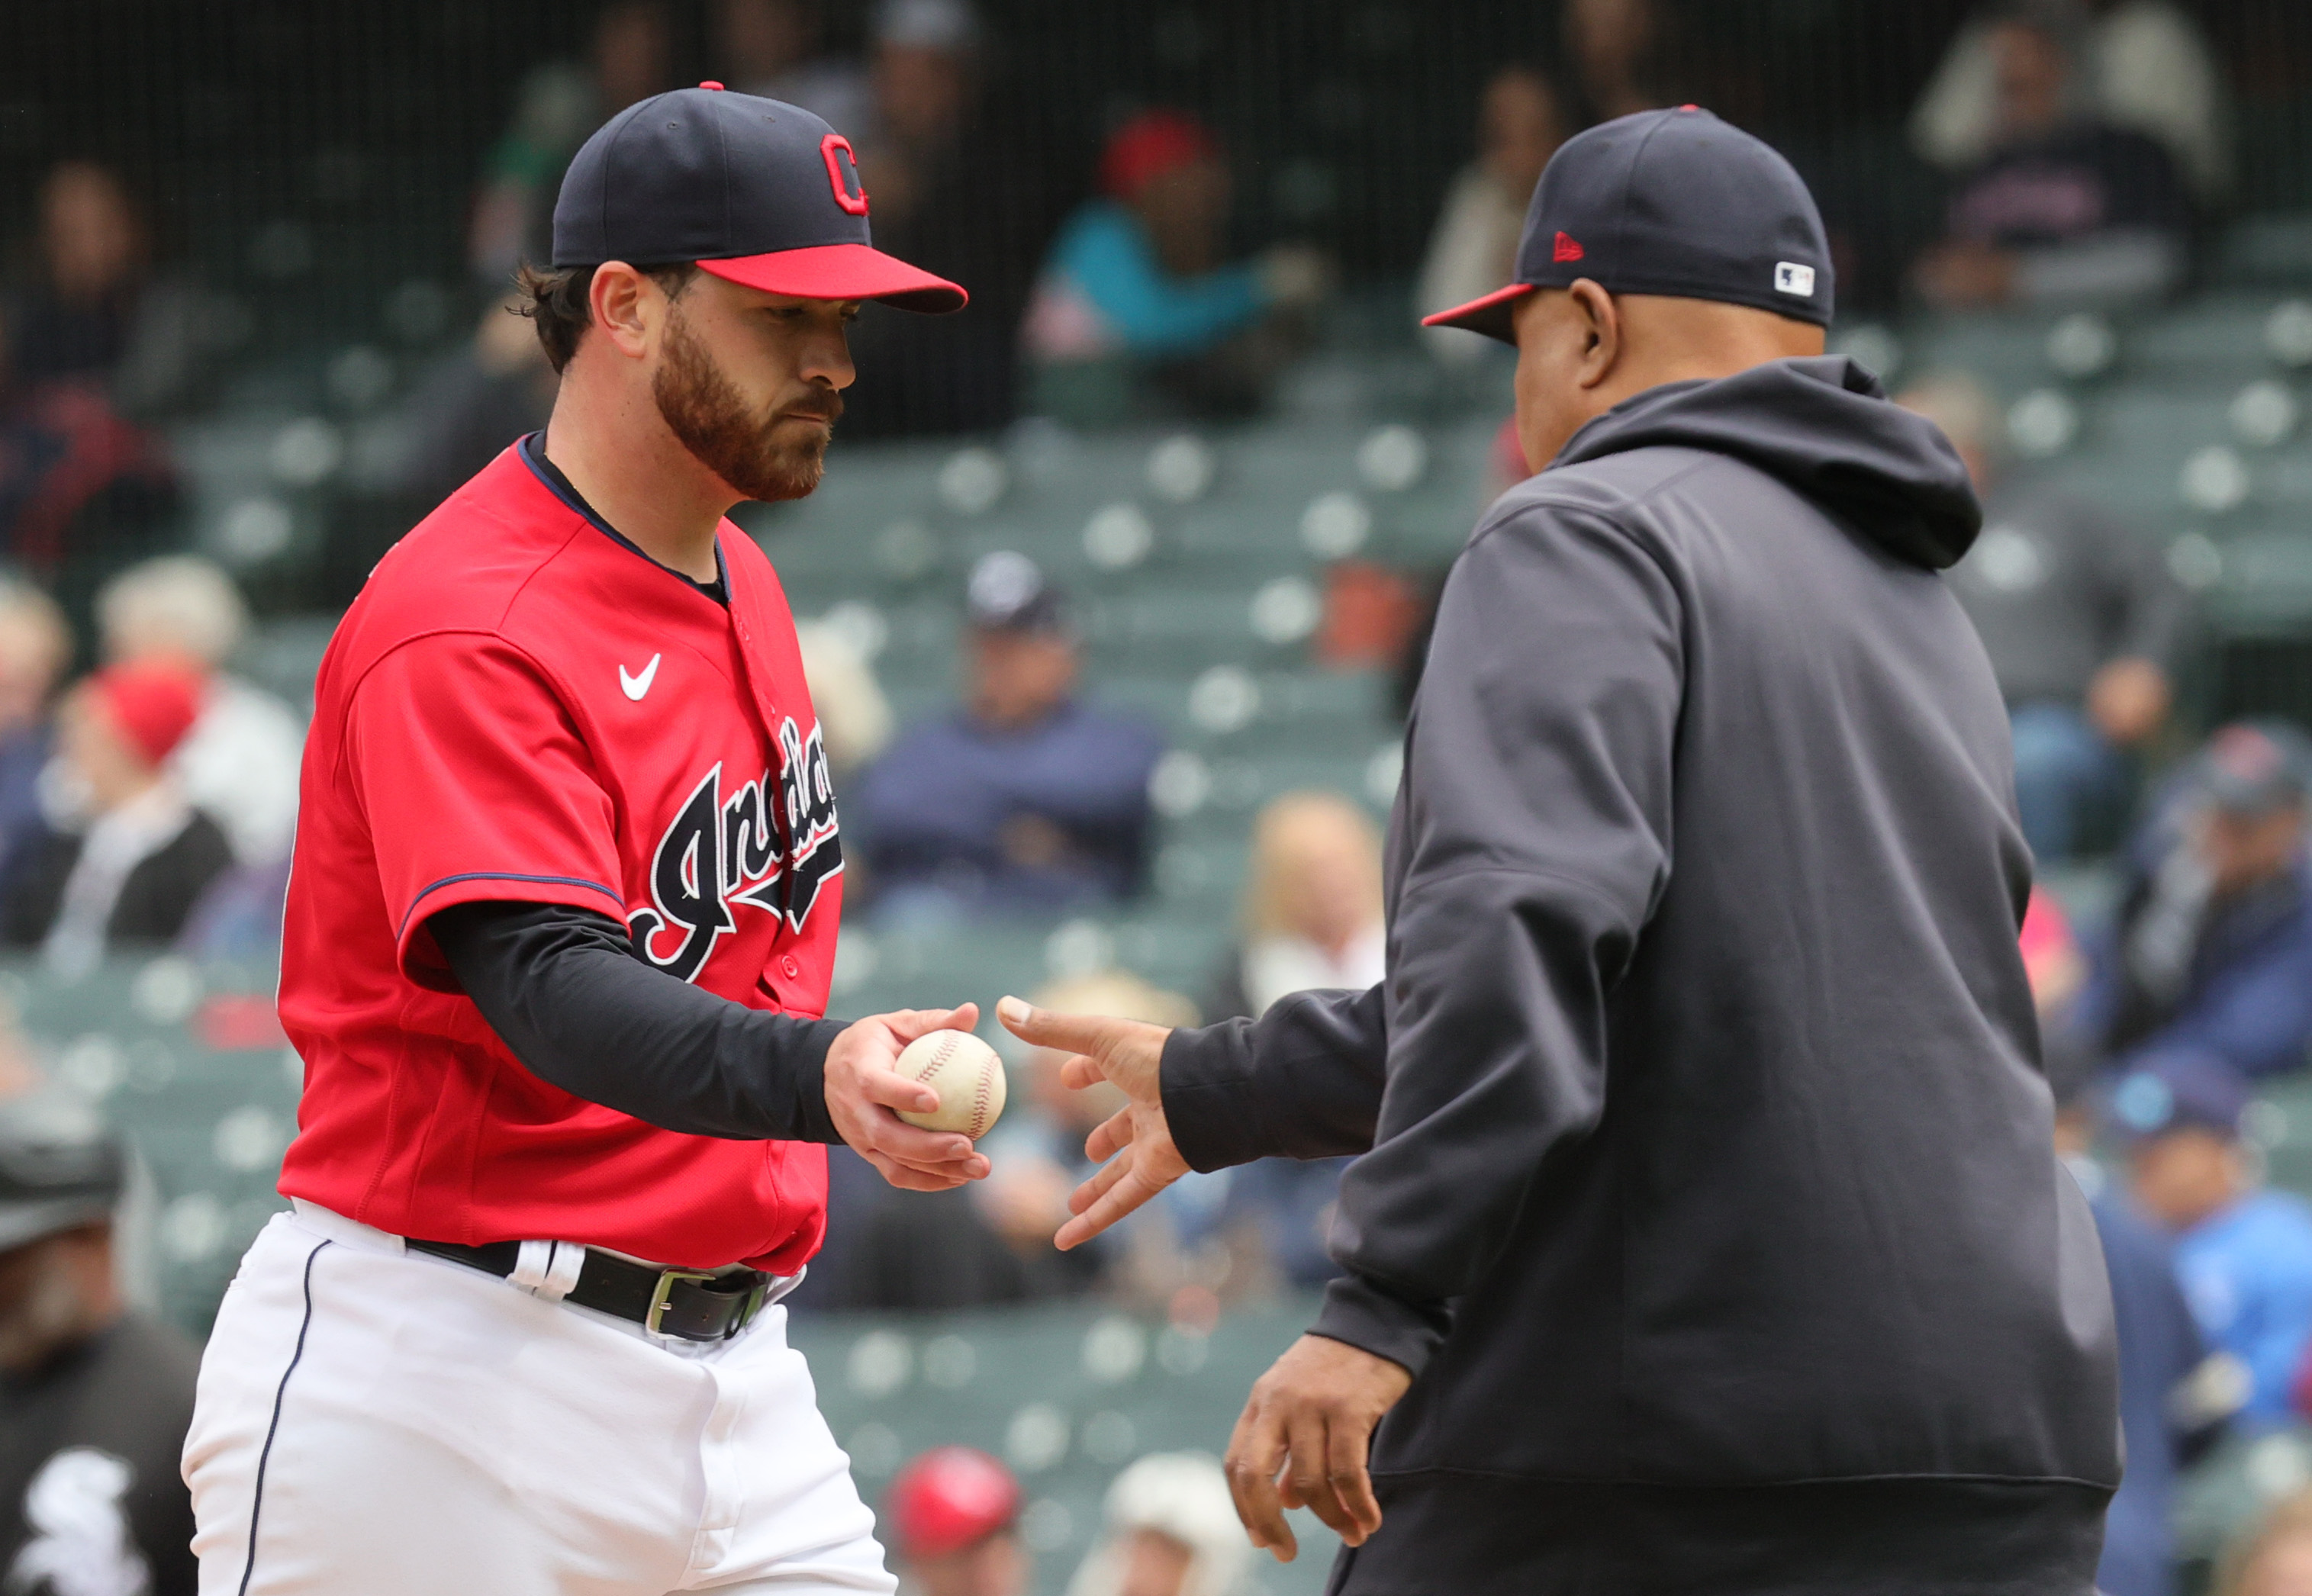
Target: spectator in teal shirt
<point x="1135" y="308"/>
<point x="2244" y="1255"/>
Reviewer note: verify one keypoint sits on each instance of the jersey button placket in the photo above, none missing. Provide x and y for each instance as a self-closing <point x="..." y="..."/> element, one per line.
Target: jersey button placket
<point x="793" y="966"/>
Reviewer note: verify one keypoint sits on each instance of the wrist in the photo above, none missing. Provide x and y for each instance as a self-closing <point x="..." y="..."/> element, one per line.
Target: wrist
<point x="813" y="1046"/>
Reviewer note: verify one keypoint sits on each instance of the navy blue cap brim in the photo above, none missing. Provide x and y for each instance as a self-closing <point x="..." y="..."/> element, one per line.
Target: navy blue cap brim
<point x="842" y="271"/>
<point x="1493" y="314"/>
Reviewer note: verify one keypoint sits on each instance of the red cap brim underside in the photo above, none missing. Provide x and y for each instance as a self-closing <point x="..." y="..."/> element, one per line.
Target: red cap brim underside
<point x="841" y="271"/>
<point x="1489" y="315"/>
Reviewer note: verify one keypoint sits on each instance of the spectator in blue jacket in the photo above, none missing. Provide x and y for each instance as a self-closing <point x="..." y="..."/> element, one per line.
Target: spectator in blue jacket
<point x="1024" y="799"/>
<point x="2211" y="953"/>
<point x="2244" y="1254"/>
<point x="1136" y="290"/>
<point x="2174" y="1396"/>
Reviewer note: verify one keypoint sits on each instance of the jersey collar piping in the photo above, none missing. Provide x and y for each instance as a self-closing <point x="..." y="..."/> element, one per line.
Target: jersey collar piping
<point x="532" y="450"/>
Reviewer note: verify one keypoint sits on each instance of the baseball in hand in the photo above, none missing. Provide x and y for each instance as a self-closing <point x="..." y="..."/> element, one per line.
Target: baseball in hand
<point x="966" y="1074"/>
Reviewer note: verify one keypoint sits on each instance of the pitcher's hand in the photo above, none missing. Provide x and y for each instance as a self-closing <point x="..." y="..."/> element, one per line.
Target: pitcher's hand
<point x="864" y="1086"/>
<point x="1303" y="1440"/>
<point x="1136" y="1143"/>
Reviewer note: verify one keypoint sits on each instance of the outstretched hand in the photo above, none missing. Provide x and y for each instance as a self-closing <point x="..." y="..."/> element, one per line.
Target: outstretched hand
<point x="1135" y="1142"/>
<point x="864" y="1088"/>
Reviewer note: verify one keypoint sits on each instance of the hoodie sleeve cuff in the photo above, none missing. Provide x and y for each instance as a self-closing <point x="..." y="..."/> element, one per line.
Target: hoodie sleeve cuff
<point x="806" y="1047"/>
<point x="1210" y="1102"/>
<point x="1364" y="1316"/>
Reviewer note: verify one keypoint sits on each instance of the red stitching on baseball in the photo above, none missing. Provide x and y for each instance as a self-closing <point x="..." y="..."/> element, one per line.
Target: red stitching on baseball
<point x="979" y="1102"/>
<point x="940" y="1056"/>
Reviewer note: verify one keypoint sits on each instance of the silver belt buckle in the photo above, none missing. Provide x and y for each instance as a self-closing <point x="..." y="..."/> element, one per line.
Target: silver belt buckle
<point x="664" y="1293"/>
<point x="659" y="1298"/>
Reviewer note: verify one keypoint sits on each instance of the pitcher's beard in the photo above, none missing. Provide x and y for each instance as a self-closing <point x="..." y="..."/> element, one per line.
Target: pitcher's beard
<point x="705" y="412"/>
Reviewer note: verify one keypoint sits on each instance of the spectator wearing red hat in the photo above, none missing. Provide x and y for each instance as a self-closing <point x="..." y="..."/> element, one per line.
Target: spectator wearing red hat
<point x="1136" y="287"/>
<point x="954" y="1516"/>
<point x="124" y="854"/>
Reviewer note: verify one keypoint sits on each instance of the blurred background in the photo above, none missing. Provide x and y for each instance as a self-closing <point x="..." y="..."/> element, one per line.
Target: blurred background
<point x="1118" y="587"/>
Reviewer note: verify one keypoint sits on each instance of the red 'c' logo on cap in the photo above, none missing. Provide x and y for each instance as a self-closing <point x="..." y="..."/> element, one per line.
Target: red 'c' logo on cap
<point x="842" y="173"/>
<point x="1565" y="248"/>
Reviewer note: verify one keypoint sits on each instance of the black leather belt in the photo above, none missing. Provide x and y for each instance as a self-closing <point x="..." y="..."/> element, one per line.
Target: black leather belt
<point x="688" y="1304"/>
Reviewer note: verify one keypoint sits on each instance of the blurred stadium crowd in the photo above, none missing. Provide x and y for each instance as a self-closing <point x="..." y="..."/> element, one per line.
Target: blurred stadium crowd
<point x="1113" y="600"/>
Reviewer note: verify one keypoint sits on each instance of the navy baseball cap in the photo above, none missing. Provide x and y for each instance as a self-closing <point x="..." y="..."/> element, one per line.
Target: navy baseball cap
<point x="1670" y="202"/>
<point x="1009" y="592"/>
<point x="2177" y="1091"/>
<point x="2254" y="767"/>
<point x="757" y="192"/>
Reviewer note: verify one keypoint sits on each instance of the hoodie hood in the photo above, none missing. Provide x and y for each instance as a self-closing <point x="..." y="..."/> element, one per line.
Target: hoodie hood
<point x="1823" y="425"/>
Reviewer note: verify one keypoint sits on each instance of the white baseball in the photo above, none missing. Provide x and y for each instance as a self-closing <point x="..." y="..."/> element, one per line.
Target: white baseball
<point x="966" y="1074"/>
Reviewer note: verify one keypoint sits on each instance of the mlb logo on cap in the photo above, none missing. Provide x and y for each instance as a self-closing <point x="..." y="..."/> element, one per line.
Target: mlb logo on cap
<point x="1670" y="202"/>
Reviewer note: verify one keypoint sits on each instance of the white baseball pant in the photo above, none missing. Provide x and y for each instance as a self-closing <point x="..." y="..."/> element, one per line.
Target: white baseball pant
<point x="377" y="1422"/>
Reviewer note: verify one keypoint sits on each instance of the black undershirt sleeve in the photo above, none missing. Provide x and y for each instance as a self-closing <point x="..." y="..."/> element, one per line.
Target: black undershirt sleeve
<point x="563" y="990"/>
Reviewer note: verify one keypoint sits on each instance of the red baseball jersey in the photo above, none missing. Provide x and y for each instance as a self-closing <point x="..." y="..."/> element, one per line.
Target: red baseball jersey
<point x="521" y="705"/>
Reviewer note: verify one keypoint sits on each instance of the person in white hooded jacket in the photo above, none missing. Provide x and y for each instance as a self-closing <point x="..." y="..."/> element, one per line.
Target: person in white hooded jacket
<point x="1170" y="1529"/>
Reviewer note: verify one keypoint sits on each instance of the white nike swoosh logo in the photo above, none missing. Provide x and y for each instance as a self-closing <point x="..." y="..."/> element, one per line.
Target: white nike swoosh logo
<point x="636" y="686"/>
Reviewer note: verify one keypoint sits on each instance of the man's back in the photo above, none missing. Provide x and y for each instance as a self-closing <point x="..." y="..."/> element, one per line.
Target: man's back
<point x="1704" y="727"/>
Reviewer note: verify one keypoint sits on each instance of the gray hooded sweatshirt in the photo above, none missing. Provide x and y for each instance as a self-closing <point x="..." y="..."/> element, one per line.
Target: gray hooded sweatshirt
<point x="1707" y="1188"/>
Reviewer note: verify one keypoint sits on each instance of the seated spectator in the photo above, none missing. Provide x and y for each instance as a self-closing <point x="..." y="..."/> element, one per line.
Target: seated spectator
<point x="2275" y="1556"/>
<point x="35" y="648"/>
<point x="1616" y="50"/>
<point x="473" y="404"/>
<point x="2063" y="208"/>
<point x="2175" y="1398"/>
<point x="776" y="48"/>
<point x="1024" y="798"/>
<point x="2243" y="1254"/>
<point x="239" y="762"/>
<point x="94" y="343"/>
<point x="1169" y="1529"/>
<point x="557" y="106"/>
<point x="2145" y="64"/>
<point x="954" y="1519"/>
<point x="2084" y="624"/>
<point x="95" y="1399"/>
<point x="1313" y="918"/>
<point x="99" y="313"/>
<point x="1136" y="305"/>
<point x="2210" y="955"/>
<point x="1473" y="248"/>
<point x="1037" y="1150"/>
<point x="959" y="170"/>
<point x="133" y="856"/>
<point x="1313" y="905"/>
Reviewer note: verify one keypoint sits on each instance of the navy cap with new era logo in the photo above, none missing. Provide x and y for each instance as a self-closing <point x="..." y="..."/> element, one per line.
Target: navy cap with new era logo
<point x="1669" y="202"/>
<point x="756" y="191"/>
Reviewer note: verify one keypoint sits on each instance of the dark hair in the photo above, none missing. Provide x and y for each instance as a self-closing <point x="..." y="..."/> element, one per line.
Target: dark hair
<point x="557" y="300"/>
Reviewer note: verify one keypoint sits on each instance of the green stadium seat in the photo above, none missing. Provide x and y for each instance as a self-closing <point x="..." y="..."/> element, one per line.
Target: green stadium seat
<point x="1066" y="1394"/>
